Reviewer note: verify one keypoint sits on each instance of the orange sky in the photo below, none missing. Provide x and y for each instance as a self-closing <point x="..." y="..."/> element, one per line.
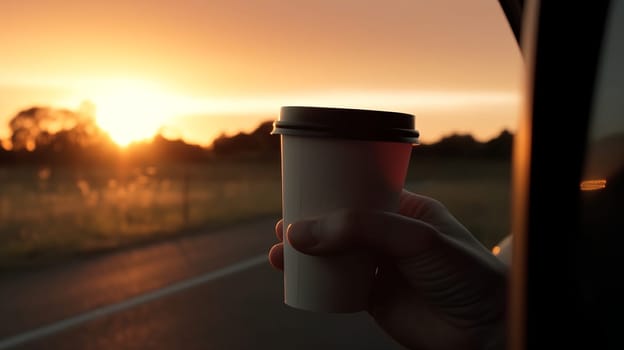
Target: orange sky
<point x="200" y="68"/>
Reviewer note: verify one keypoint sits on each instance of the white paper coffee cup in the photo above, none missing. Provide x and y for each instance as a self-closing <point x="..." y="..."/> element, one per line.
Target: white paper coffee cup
<point x="335" y="158"/>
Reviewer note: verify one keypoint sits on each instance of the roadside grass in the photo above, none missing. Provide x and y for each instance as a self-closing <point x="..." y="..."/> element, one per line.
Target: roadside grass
<point x="477" y="192"/>
<point x="49" y="214"/>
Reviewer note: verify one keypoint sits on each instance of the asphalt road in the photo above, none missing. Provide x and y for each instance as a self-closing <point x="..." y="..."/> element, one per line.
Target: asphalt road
<point x="207" y="291"/>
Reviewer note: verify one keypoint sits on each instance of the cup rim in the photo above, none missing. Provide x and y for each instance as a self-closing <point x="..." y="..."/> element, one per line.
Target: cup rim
<point x="348" y="123"/>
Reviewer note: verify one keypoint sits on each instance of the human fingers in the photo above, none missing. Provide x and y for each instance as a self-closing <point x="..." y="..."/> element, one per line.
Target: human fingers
<point x="279" y="230"/>
<point x="385" y="233"/>
<point x="276" y="256"/>
<point x="420" y="207"/>
<point x="436" y="214"/>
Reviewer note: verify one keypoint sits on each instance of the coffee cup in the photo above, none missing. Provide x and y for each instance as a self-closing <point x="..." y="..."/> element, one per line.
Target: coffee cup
<point x="333" y="159"/>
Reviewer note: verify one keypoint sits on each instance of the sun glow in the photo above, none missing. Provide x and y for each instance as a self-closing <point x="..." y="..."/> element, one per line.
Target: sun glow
<point x="134" y="111"/>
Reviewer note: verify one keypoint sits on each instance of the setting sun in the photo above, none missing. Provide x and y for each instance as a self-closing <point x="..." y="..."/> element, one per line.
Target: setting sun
<point x="202" y="69"/>
<point x="132" y="111"/>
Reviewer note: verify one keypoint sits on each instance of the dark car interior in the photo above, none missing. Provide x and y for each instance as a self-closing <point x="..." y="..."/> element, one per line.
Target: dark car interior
<point x="568" y="169"/>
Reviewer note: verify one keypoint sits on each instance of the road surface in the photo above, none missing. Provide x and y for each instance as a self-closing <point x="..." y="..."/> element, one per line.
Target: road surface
<point x="207" y="291"/>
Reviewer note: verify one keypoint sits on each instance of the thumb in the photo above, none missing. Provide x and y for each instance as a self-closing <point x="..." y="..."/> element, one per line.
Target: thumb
<point x="462" y="282"/>
<point x="381" y="232"/>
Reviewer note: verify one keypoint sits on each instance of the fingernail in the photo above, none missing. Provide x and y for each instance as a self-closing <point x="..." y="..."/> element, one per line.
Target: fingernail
<point x="303" y="234"/>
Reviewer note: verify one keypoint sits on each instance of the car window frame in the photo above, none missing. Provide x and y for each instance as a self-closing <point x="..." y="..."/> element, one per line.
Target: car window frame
<point x="546" y="310"/>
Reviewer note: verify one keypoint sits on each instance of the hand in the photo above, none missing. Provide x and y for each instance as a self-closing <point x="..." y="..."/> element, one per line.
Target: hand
<point x="436" y="287"/>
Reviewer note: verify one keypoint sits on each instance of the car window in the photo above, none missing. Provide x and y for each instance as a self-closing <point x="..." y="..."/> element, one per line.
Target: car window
<point x="605" y="155"/>
<point x="603" y="187"/>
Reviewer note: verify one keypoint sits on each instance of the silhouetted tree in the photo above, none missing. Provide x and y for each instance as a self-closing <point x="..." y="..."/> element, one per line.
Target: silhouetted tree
<point x="499" y="147"/>
<point x="47" y="135"/>
<point x="177" y="150"/>
<point x="465" y="145"/>
<point x="161" y="149"/>
<point x="37" y="124"/>
<point x="259" y="143"/>
<point x="44" y="134"/>
<point x="266" y="141"/>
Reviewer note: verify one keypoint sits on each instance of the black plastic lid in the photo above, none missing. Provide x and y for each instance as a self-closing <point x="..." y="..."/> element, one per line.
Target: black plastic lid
<point x="359" y="124"/>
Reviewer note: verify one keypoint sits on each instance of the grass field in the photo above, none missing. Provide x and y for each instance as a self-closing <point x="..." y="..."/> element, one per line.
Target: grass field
<point x="477" y="192"/>
<point x="50" y="214"/>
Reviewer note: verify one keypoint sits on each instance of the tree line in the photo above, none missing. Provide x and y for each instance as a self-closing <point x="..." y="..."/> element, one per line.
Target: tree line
<point x="44" y="135"/>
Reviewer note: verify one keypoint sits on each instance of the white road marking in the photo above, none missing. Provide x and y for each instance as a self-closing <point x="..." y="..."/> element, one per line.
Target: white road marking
<point x="62" y="325"/>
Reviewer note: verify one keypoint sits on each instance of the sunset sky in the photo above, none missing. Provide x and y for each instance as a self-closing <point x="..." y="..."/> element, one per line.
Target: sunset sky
<point x="195" y="69"/>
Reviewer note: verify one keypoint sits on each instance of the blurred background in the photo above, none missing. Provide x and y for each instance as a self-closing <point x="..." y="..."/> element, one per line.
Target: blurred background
<point x="136" y="156"/>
